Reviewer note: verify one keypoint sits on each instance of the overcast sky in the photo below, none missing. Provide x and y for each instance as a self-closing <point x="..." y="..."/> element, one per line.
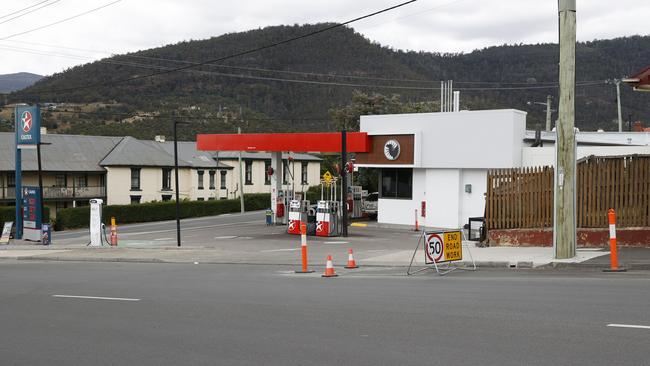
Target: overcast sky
<point x="427" y="25"/>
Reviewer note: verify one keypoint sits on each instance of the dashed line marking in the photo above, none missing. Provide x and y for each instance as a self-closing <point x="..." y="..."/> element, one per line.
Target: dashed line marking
<point x="629" y="326"/>
<point x="96" y="298"/>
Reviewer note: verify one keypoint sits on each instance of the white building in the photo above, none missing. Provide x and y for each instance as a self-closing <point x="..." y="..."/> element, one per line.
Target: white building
<point x="440" y="168"/>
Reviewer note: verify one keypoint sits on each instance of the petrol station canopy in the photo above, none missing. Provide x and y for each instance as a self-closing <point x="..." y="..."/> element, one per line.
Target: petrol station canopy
<point x="277" y="142"/>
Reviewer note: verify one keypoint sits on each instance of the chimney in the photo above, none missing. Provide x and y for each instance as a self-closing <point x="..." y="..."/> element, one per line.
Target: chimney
<point x="159" y="138"/>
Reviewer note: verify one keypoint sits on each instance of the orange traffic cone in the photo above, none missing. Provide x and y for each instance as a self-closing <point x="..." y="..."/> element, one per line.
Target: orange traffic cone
<point x="351" y="263"/>
<point x="329" y="268"/>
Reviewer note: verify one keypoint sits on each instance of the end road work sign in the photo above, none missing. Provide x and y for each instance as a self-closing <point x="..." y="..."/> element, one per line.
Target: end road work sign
<point x="443" y="246"/>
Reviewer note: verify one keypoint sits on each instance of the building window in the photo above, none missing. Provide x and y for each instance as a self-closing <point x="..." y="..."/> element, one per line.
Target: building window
<point x="222" y="183"/>
<point x="60" y="180"/>
<point x="286" y="173"/>
<point x="11" y="180"/>
<point x="200" y="172"/>
<point x="267" y="177"/>
<point x="166" y="197"/>
<point x="397" y="183"/>
<point x="166" y="179"/>
<point x="200" y="199"/>
<point x="135" y="179"/>
<point x="248" y="172"/>
<point x="211" y="172"/>
<point x="210" y="198"/>
<point x="81" y="181"/>
<point x="135" y="199"/>
<point x="303" y="172"/>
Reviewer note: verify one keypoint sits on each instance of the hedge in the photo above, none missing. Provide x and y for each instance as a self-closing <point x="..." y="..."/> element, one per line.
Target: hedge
<point x="79" y="217"/>
<point x="8" y="213"/>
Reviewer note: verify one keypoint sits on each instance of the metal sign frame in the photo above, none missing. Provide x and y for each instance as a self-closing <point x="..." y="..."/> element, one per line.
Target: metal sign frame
<point x="447" y="266"/>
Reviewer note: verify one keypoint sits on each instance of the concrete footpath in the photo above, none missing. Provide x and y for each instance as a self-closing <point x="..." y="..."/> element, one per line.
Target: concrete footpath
<point x="246" y="240"/>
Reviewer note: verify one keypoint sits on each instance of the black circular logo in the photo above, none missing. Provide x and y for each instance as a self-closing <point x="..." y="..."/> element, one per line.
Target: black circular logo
<point x="391" y="149"/>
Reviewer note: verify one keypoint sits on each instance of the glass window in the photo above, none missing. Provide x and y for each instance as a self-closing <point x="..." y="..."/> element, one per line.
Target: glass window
<point x="200" y="199"/>
<point x="267" y="177"/>
<point x="200" y="183"/>
<point x="135" y="199"/>
<point x="11" y="180"/>
<point x="135" y="179"/>
<point x="166" y="197"/>
<point x="397" y="183"/>
<point x="248" y="172"/>
<point x="60" y="180"/>
<point x="166" y="179"/>
<point x="223" y="179"/>
<point x="81" y="181"/>
<point x="211" y="172"/>
<point x="286" y="173"/>
<point x="303" y="172"/>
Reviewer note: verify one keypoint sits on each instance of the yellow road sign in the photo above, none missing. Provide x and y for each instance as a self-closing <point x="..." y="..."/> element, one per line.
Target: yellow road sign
<point x="327" y="177"/>
<point x="443" y="246"/>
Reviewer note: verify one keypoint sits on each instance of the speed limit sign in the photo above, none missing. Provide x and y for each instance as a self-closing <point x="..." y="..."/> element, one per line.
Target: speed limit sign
<point x="433" y="248"/>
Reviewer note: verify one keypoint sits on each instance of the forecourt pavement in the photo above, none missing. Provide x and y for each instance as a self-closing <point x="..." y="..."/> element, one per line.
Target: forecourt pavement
<point x="244" y="238"/>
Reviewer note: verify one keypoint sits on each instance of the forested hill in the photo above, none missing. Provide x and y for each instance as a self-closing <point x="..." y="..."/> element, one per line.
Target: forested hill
<point x="293" y="86"/>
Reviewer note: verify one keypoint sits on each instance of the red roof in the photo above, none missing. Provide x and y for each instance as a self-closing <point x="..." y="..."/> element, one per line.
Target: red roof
<point x="296" y="142"/>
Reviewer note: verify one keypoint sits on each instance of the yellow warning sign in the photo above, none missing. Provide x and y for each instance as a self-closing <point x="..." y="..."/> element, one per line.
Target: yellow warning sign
<point x="453" y="246"/>
<point x="327" y="177"/>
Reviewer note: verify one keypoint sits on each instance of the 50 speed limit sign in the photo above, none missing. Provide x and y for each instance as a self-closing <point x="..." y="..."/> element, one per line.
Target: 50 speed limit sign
<point x="442" y="246"/>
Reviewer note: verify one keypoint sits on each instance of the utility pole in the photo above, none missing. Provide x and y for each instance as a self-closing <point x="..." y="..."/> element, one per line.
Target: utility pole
<point x="241" y="180"/>
<point x="344" y="185"/>
<point x="548" y="112"/>
<point x="564" y="231"/>
<point x="177" y="187"/>
<point x="618" y="102"/>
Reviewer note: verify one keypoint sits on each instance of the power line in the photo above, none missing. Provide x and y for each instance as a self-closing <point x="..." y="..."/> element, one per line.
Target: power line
<point x="31" y="11"/>
<point x="23" y="9"/>
<point x="257" y="49"/>
<point x="60" y="21"/>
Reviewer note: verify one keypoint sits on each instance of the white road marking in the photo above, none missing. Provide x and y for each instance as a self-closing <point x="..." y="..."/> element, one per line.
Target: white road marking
<point x="336" y="242"/>
<point x="164" y="239"/>
<point x="96" y="298"/>
<point x="279" y="250"/>
<point x="629" y="326"/>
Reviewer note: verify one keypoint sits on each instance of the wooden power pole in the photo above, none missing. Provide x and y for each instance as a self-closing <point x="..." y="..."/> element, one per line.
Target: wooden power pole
<point x="564" y="230"/>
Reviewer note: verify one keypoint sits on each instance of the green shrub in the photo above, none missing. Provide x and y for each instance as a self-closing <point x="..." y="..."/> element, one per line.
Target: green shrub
<point x="159" y="211"/>
<point x="8" y="213"/>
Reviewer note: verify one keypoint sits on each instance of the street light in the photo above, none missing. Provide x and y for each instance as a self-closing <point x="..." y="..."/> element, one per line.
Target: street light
<point x="548" y="110"/>
<point x="178" y="207"/>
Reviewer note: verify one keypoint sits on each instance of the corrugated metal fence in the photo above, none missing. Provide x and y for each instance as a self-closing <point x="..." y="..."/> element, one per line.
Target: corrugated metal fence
<point x="523" y="197"/>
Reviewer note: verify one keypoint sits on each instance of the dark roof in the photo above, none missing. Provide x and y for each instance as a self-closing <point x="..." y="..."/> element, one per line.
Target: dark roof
<point x="66" y="153"/>
<point x="133" y="152"/>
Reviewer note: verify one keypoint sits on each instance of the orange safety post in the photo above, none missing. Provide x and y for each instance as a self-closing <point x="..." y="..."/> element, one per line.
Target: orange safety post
<point x="613" y="253"/>
<point x="113" y="232"/>
<point x="303" y="245"/>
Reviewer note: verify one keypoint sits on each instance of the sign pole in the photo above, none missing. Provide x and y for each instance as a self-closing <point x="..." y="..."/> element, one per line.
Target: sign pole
<point x="344" y="184"/>
<point x="40" y="180"/>
<point x="19" y="194"/>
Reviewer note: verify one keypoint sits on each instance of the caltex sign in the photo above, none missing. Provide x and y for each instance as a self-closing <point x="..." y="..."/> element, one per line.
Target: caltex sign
<point x="28" y="125"/>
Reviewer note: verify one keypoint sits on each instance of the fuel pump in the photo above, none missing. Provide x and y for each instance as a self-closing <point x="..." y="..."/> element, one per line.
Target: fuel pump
<point x="328" y="210"/>
<point x="297" y="214"/>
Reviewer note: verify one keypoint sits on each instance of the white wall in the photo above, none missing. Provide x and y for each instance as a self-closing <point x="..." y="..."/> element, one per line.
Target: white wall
<point x="540" y="156"/>
<point x="467" y="139"/>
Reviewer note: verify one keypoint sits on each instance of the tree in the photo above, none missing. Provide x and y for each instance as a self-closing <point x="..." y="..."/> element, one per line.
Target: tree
<point x="362" y="104"/>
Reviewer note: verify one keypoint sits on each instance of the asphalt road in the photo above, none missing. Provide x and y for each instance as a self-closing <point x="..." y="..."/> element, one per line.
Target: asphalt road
<point x="183" y="314"/>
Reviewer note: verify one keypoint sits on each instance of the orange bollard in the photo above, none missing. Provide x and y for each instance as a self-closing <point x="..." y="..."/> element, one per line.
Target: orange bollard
<point x="351" y="262"/>
<point x="329" y="268"/>
<point x="303" y="245"/>
<point x="613" y="253"/>
<point x="113" y="232"/>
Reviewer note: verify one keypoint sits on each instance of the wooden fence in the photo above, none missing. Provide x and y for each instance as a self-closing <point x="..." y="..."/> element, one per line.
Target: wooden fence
<point x="523" y="197"/>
